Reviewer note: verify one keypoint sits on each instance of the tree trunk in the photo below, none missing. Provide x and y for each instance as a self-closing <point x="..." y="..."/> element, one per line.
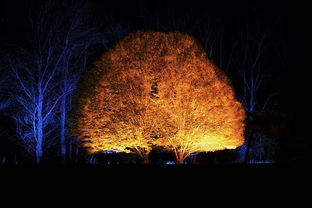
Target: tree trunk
<point x="62" y="128"/>
<point x="70" y="149"/>
<point x="145" y="160"/>
<point x="144" y="155"/>
<point x="39" y="151"/>
<point x="180" y="157"/>
<point x="249" y="138"/>
<point x="179" y="161"/>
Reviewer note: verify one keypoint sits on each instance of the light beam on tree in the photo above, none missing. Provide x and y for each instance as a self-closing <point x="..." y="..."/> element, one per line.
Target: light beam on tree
<point x="157" y="89"/>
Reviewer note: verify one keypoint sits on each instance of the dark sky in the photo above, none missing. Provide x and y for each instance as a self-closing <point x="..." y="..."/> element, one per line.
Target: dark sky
<point x="285" y="21"/>
<point x="292" y="17"/>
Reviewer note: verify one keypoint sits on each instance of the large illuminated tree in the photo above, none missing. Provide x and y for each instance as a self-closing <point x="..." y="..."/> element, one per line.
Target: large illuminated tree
<point x="159" y="89"/>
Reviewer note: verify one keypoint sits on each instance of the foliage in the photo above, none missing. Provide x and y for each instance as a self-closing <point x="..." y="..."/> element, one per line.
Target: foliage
<point x="160" y="89"/>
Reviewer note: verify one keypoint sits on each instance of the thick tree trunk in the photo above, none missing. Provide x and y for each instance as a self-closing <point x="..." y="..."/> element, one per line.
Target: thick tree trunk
<point x="180" y="157"/>
<point x="179" y="161"/>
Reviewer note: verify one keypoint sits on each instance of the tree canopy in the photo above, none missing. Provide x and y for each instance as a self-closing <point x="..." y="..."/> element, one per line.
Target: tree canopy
<point x="157" y="89"/>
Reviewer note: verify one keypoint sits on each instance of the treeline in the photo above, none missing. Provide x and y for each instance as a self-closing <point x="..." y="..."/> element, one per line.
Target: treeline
<point x="39" y="77"/>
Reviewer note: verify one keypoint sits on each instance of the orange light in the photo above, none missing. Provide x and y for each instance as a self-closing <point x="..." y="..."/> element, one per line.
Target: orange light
<point x="159" y="89"/>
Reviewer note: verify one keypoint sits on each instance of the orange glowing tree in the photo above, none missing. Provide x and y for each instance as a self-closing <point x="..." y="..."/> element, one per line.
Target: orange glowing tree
<point x="158" y="89"/>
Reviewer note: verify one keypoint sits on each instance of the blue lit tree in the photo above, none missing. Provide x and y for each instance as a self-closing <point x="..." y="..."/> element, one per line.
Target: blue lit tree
<point x="76" y="37"/>
<point x="80" y="37"/>
<point x="34" y="89"/>
<point x="252" y="73"/>
<point x="244" y="58"/>
<point x="45" y="75"/>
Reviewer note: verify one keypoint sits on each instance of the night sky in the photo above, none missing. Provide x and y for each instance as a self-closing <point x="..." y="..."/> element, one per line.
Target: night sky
<point x="284" y="24"/>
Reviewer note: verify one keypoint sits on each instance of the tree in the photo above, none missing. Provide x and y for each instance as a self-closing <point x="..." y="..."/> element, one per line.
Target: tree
<point x="114" y="116"/>
<point x="34" y="91"/>
<point x="160" y="89"/>
<point x="35" y="84"/>
<point x="46" y="73"/>
<point x="77" y="35"/>
<point x="253" y="74"/>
